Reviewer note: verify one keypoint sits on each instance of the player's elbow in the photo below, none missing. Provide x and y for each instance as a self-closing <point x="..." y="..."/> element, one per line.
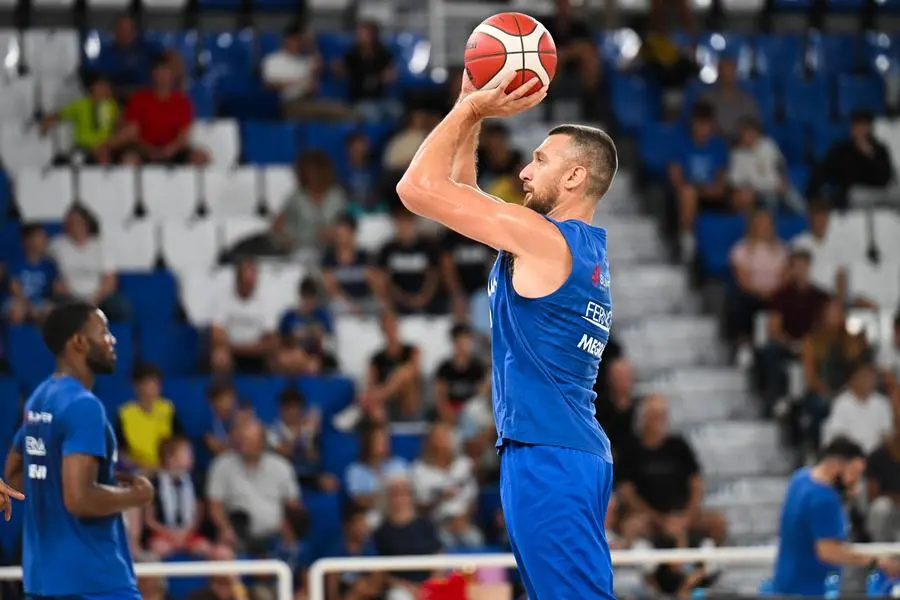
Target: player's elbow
<point x="828" y="551"/>
<point x="410" y="191"/>
<point x="74" y="501"/>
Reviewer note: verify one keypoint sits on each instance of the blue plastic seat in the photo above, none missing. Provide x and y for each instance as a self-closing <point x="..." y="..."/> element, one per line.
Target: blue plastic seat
<point x="656" y="146"/>
<point x="5" y="195"/>
<point x="339" y="450"/>
<point x="798" y="175"/>
<point x="153" y="297"/>
<point x="173" y="347"/>
<point x="246" y="99"/>
<point x="202" y="94"/>
<point x="407" y="446"/>
<point x="331" y="394"/>
<point x="10" y="244"/>
<point x="778" y="57"/>
<point x="113" y="391"/>
<point x="859" y="92"/>
<point x="262" y="393"/>
<point x="825" y="134"/>
<point x="330" y="138"/>
<point x="789" y="226"/>
<point x="269" y="143"/>
<point x="762" y="91"/>
<point x="792" y="5"/>
<point x="182" y="43"/>
<point x="188" y="394"/>
<point x="807" y="101"/>
<point x="10" y="410"/>
<point x="792" y="139"/>
<point x="716" y="234"/>
<point x="630" y="102"/>
<point x="29" y="359"/>
<point x="230" y="53"/>
<point x="124" y="348"/>
<point x="333" y="44"/>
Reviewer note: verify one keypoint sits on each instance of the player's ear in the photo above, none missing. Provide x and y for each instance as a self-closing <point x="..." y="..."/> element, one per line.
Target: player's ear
<point x="576" y="176"/>
<point x="80" y="342"/>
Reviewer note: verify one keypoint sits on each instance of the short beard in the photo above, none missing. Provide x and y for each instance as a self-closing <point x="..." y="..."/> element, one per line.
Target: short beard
<point x="540" y="204"/>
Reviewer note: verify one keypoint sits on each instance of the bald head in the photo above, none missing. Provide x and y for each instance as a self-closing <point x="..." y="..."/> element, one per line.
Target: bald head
<point x="595" y="151"/>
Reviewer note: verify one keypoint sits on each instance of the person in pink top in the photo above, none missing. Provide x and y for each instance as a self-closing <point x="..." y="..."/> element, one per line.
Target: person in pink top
<point x="758" y="266"/>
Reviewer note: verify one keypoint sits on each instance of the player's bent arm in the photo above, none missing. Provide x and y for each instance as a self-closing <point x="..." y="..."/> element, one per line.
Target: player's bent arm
<point x="14" y="469"/>
<point x="85" y="498"/>
<point x="836" y="552"/>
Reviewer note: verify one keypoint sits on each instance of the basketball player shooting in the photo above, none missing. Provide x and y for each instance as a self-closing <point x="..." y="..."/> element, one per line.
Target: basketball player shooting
<point x="550" y="318"/>
<point x="74" y="546"/>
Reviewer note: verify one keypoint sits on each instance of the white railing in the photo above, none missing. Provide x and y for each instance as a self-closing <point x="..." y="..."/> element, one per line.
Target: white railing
<point x="281" y="571"/>
<point x="720" y="556"/>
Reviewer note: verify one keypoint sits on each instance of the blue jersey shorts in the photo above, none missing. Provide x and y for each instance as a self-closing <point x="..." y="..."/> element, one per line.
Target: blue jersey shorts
<point x="554" y="502"/>
<point x="126" y="594"/>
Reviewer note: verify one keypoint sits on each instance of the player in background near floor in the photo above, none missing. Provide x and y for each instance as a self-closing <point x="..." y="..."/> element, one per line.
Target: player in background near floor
<point x="550" y="313"/>
<point x="75" y="545"/>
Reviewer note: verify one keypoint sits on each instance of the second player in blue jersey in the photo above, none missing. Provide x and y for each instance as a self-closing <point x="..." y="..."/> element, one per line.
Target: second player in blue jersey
<point x="551" y="312"/>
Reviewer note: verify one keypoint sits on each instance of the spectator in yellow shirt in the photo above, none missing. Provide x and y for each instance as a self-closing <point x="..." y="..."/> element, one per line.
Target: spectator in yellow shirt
<point x="94" y="118"/>
<point x="147" y="421"/>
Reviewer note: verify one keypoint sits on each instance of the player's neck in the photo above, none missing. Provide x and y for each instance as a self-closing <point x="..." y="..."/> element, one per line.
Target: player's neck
<point x="823" y="474"/>
<point x="574" y="209"/>
<point x="82" y="373"/>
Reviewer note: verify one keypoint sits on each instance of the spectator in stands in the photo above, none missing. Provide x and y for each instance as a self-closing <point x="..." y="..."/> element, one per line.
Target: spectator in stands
<point x="732" y="105"/>
<point x="249" y="491"/>
<point x="824" y="248"/>
<point x="305" y="333"/>
<point x="698" y="174"/>
<point x="458" y="378"/>
<point x="457" y="531"/>
<point x="393" y="381"/>
<point x="408" y="279"/>
<point x="295" y="436"/>
<point x="145" y="423"/>
<point x="579" y="57"/>
<point x="32" y="278"/>
<point x="443" y="480"/>
<point x="369" y="69"/>
<point x="661" y="485"/>
<point x="830" y="354"/>
<point x="84" y="266"/>
<point x="356" y="542"/>
<point x="312" y="210"/>
<point x="758" y="172"/>
<point x="671" y="66"/>
<point x="128" y="61"/>
<point x="294" y="71"/>
<point x="367" y="478"/>
<point x="223" y="403"/>
<point x="94" y="119"/>
<point x="793" y="311"/>
<point x="889" y="358"/>
<point x="405" y="533"/>
<point x="496" y="157"/>
<point x="758" y="263"/>
<point x="361" y="175"/>
<point x="158" y="124"/>
<point x="477" y="434"/>
<point x="856" y="170"/>
<point x="465" y="266"/>
<point x="242" y="335"/>
<point x="221" y="587"/>
<point x="616" y="405"/>
<point x="860" y="413"/>
<point x="405" y="143"/>
<point x="347" y="272"/>
<point x="173" y="519"/>
<point x="883" y="481"/>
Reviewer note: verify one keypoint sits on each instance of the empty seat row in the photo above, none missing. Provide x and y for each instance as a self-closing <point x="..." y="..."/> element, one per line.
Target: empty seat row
<point x="166" y="194"/>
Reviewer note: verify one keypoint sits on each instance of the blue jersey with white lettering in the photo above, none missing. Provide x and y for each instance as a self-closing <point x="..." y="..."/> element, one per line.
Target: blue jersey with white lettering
<point x="546" y="351"/>
<point x="812" y="511"/>
<point x="64" y="555"/>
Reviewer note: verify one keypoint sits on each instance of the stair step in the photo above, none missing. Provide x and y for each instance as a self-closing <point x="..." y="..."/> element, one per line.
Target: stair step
<point x="725" y="380"/>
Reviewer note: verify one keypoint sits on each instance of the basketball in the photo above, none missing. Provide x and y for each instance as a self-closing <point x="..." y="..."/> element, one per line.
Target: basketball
<point x="506" y="43"/>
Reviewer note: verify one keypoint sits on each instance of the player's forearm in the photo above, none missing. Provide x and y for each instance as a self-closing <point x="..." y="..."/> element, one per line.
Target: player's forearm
<point x="13" y="470"/>
<point x="465" y="169"/>
<point x="97" y="500"/>
<point x="838" y="553"/>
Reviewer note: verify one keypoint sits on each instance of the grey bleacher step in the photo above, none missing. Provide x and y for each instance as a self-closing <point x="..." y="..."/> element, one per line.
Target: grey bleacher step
<point x="651" y="289"/>
<point x="631" y="239"/>
<point x="689" y="380"/>
<point x="696" y="407"/>
<point x="672" y="341"/>
<point x="739" y="448"/>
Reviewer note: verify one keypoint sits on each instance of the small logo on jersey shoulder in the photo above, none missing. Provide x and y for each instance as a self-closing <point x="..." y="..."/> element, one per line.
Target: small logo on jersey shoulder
<point x="598" y="316"/>
<point x="598" y="278"/>
<point x="34" y="446"/>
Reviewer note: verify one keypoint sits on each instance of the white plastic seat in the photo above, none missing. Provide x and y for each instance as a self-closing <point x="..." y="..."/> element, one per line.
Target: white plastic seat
<point x="62" y="137"/>
<point x="17" y="99"/>
<point x="111" y="194"/>
<point x="44" y="195"/>
<point x="55" y="91"/>
<point x="235" y="229"/>
<point x="278" y="183"/>
<point x="10" y="50"/>
<point x="432" y="336"/>
<point x="109" y="4"/>
<point x="169" y="194"/>
<point x="133" y="246"/>
<point x="278" y="283"/>
<point x="54" y="4"/>
<point x="51" y="51"/>
<point x="879" y="283"/>
<point x="24" y="148"/>
<point x="198" y="291"/>
<point x="189" y="247"/>
<point x="220" y="138"/>
<point x="165" y="5"/>
<point x="230" y="193"/>
<point x="357" y="339"/>
<point x="374" y="231"/>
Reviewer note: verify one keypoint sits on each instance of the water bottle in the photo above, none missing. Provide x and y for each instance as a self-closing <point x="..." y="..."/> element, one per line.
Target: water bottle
<point x="832" y="586"/>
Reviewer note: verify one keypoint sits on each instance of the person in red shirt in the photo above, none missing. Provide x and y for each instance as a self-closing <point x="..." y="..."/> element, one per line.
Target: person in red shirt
<point x="158" y="120"/>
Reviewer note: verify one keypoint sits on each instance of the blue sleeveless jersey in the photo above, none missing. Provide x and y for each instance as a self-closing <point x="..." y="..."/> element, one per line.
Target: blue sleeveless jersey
<point x="546" y="351"/>
<point x="64" y="555"/>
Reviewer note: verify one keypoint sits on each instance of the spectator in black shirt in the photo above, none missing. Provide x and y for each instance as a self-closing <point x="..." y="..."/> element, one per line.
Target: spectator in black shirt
<point x="393" y="386"/>
<point x="369" y="68"/>
<point x="661" y="486"/>
<point x="578" y="57"/>
<point x="883" y="480"/>
<point x="459" y="377"/>
<point x="409" y="279"/>
<point x="859" y="166"/>
<point x="465" y="266"/>
<point x="405" y="533"/>
<point x="347" y="272"/>
<point x="616" y="406"/>
<point x="496" y="156"/>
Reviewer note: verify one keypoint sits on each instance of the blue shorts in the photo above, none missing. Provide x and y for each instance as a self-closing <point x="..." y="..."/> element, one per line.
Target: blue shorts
<point x="554" y="502"/>
<point x="126" y="594"/>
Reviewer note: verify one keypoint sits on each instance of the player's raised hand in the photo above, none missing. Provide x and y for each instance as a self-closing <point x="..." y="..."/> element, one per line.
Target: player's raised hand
<point x="7" y="495"/>
<point x="498" y="103"/>
<point x="140" y="487"/>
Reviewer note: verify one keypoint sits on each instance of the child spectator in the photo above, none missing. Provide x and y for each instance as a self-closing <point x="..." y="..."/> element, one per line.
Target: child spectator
<point x="360" y="175"/>
<point x="146" y="422"/>
<point x="32" y="279"/>
<point x="367" y="478"/>
<point x="223" y="403"/>
<point x="305" y="334"/>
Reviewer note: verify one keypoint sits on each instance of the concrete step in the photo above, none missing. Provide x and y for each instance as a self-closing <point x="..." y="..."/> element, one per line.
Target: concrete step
<point x="739" y="448"/>
<point x="671" y="341"/>
<point x="688" y="409"/>
<point x="691" y="380"/>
